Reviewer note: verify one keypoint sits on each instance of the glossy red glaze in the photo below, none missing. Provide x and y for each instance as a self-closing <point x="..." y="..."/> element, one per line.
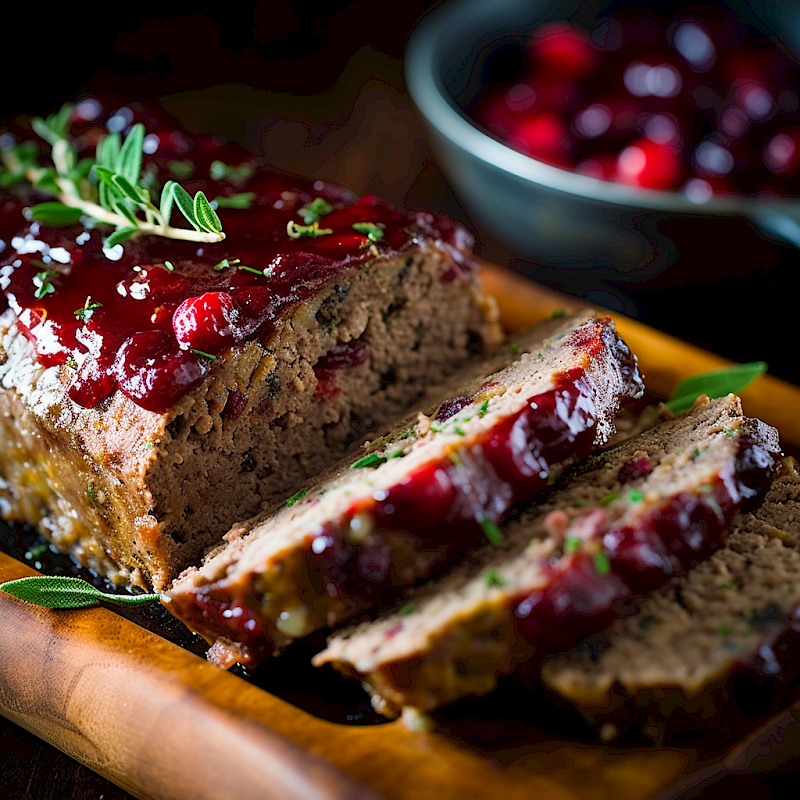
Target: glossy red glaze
<point x="646" y="92"/>
<point x="583" y="594"/>
<point x="133" y="317"/>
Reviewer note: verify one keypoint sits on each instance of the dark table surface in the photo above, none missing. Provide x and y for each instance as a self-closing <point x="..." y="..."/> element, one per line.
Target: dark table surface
<point x="357" y="129"/>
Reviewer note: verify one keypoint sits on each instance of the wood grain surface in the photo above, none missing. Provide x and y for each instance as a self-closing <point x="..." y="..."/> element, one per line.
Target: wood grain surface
<point x="162" y="723"/>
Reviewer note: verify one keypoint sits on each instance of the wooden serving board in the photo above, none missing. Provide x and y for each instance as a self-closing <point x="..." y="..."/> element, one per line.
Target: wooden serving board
<point x="162" y="723"/>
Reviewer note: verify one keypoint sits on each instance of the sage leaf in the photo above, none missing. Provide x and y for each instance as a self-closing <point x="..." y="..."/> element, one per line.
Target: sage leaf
<point x="716" y="383"/>
<point x="66" y="592"/>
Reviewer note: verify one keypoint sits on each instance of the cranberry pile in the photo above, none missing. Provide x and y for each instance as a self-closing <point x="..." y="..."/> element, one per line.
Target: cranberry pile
<point x="695" y="101"/>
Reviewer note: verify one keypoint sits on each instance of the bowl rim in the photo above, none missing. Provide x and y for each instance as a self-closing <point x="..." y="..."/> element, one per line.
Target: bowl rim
<point x="428" y="92"/>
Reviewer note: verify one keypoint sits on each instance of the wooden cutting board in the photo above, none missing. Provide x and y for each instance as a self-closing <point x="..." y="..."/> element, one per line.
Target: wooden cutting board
<point x="162" y="723"/>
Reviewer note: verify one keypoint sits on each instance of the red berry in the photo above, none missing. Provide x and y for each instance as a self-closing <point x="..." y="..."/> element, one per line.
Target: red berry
<point x="544" y="136"/>
<point x="207" y="322"/>
<point x="782" y="151"/>
<point x="562" y="48"/>
<point x="153" y="372"/>
<point x="649" y="164"/>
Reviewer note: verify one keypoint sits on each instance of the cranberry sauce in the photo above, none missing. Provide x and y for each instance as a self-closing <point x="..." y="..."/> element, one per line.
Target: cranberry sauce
<point x="695" y="101"/>
<point x="590" y="588"/>
<point x="148" y="317"/>
<point x="422" y="523"/>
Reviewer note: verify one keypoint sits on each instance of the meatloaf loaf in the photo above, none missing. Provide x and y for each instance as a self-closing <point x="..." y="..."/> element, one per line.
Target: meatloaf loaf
<point x="156" y="391"/>
<point x="711" y="650"/>
<point x="418" y="497"/>
<point x="619" y="525"/>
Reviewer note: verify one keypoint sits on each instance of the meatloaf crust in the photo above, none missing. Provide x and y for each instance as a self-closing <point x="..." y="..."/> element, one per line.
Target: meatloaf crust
<point x="153" y="393"/>
<point x="617" y="526"/>
<point x="418" y="498"/>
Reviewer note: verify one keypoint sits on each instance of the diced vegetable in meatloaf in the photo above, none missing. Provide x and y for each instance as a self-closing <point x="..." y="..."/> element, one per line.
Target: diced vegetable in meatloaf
<point x="617" y="526"/>
<point x="418" y="497"/>
<point x="154" y="391"/>
<point x="710" y="651"/>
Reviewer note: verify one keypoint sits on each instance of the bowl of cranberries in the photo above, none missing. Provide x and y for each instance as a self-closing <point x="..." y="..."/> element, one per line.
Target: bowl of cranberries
<point x="609" y="142"/>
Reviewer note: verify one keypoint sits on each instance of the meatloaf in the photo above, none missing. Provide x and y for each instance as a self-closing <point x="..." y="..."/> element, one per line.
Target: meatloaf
<point x="156" y="391"/>
<point x="616" y="527"/>
<point x="711" y="650"/>
<point x="417" y="498"/>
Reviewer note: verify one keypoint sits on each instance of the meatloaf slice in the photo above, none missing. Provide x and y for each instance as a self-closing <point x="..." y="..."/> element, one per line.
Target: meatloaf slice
<point x="617" y="526"/>
<point x="154" y="392"/>
<point x="418" y="497"/>
<point x="710" y="650"/>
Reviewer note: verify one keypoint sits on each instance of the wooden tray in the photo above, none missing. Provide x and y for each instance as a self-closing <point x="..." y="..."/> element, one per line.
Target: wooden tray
<point x="161" y="722"/>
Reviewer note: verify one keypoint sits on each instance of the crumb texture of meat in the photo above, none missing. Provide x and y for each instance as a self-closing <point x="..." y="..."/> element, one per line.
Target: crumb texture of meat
<point x="417" y="499"/>
<point x="618" y="525"/>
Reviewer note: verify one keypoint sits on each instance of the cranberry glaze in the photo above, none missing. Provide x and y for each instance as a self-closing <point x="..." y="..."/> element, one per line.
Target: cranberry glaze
<point x="148" y="317"/>
<point x="590" y="588"/>
<point x="425" y="521"/>
<point x="693" y="101"/>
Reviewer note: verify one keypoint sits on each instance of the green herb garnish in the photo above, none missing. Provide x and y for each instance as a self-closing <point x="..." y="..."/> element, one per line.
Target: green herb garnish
<point x="107" y="188"/>
<point x="85" y="314"/>
<point x="572" y="543"/>
<point x="370" y="460"/>
<point x="491" y="531"/>
<point x="494" y="578"/>
<point x="43" y="284"/>
<point x="315" y="210"/>
<point x="311" y="231"/>
<point x="716" y="383"/>
<point x="408" y="608"/>
<point x="67" y="592"/>
<point x="372" y="231"/>
<point x="298" y="495"/>
<point x="602" y="566"/>
<point x="203" y="354"/>
<point x="240" y="200"/>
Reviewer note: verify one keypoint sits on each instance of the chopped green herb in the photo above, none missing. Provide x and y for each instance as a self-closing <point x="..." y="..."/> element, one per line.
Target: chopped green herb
<point x="408" y="608"/>
<point x="240" y="200"/>
<point x="296" y="231"/>
<point x="372" y="231"/>
<point x="483" y="408"/>
<point x="602" y="566"/>
<point x="43" y="284"/>
<point x="608" y="499"/>
<point x="87" y="310"/>
<point x="315" y="210"/>
<point x="38" y="550"/>
<point x="494" y="578"/>
<point x="226" y="263"/>
<point x="298" y="495"/>
<point x="169" y="266"/>
<point x="255" y="271"/>
<point x="636" y="496"/>
<point x="716" y="383"/>
<point x="371" y="460"/>
<point x="572" y="543"/>
<point x="203" y="354"/>
<point x="492" y="531"/>
<point x="514" y="348"/>
<point x="220" y="171"/>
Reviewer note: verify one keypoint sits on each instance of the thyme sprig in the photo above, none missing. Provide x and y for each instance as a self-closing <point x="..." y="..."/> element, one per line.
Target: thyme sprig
<point x="107" y="188"/>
